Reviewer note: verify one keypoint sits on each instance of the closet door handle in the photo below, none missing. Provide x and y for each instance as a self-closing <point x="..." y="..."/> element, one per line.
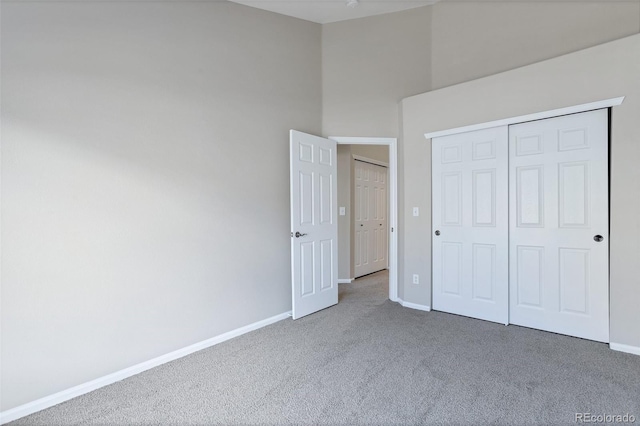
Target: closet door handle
<point x="598" y="238"/>
<point x="437" y="233"/>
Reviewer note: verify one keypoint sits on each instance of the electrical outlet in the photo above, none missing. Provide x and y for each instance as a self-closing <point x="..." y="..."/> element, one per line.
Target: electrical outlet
<point x="343" y="211"/>
<point x="416" y="279"/>
<point x="416" y="211"/>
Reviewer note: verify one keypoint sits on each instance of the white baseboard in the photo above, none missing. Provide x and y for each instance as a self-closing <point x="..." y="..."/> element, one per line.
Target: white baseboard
<point x="625" y="348"/>
<point x="410" y="305"/>
<point x="345" y="280"/>
<point x="65" y="395"/>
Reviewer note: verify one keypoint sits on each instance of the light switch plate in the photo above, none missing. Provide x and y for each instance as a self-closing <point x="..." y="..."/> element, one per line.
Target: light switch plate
<point x="343" y="211"/>
<point x="416" y="211"/>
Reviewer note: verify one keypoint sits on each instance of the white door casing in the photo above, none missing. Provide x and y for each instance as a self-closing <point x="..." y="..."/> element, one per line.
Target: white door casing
<point x="314" y="228"/>
<point x="470" y="224"/>
<point x="559" y="202"/>
<point x="370" y="218"/>
<point x="392" y="253"/>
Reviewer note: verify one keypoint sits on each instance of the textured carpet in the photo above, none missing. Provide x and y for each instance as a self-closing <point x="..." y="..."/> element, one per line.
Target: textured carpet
<point x="370" y="361"/>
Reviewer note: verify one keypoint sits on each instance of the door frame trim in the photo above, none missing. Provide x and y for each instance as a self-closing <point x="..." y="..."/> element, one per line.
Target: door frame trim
<point x="605" y="103"/>
<point x="392" y="143"/>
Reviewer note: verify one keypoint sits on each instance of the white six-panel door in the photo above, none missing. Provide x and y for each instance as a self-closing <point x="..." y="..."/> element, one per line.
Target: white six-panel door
<point x="370" y="218"/>
<point x="314" y="229"/>
<point x="470" y="224"/>
<point x="558" y="209"/>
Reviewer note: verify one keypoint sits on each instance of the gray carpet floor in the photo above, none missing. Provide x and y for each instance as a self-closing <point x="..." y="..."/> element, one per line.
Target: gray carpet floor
<point x="370" y="361"/>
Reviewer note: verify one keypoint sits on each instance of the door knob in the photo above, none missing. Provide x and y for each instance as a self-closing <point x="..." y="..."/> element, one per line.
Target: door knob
<point x="298" y="235"/>
<point x="362" y="224"/>
<point x="437" y="233"/>
<point x="598" y="238"/>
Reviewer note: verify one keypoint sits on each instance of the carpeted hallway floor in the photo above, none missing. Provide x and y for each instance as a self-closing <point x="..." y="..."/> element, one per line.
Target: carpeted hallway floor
<point x="370" y="361"/>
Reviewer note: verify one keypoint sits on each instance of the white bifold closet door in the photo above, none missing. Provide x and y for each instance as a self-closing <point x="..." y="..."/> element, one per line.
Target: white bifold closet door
<point x="470" y="224"/>
<point x="370" y="218"/>
<point x="559" y="222"/>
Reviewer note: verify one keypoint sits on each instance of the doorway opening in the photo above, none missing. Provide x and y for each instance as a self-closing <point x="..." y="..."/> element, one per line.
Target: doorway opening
<point x="367" y="211"/>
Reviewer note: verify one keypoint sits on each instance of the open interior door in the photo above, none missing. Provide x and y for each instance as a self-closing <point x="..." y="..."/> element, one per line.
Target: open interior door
<point x="314" y="228"/>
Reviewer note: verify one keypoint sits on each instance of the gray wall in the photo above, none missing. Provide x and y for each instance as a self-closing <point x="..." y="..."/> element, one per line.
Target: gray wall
<point x="368" y="66"/>
<point x="476" y="39"/>
<point x="344" y="222"/>
<point x="345" y="199"/>
<point x="602" y="72"/>
<point x="144" y="179"/>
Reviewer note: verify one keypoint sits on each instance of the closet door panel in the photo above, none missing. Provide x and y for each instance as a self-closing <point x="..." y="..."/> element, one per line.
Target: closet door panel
<point x="470" y="224"/>
<point x="370" y="218"/>
<point x="559" y="206"/>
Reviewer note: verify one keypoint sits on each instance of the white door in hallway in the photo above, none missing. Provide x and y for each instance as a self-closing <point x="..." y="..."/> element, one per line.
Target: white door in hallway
<point x="559" y="222"/>
<point x="314" y="228"/>
<point x="470" y="224"/>
<point x="370" y="218"/>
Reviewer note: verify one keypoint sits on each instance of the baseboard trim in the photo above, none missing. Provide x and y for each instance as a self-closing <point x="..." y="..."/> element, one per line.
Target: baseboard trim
<point x="345" y="280"/>
<point x="635" y="350"/>
<point x="416" y="306"/>
<point x="65" y="395"/>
